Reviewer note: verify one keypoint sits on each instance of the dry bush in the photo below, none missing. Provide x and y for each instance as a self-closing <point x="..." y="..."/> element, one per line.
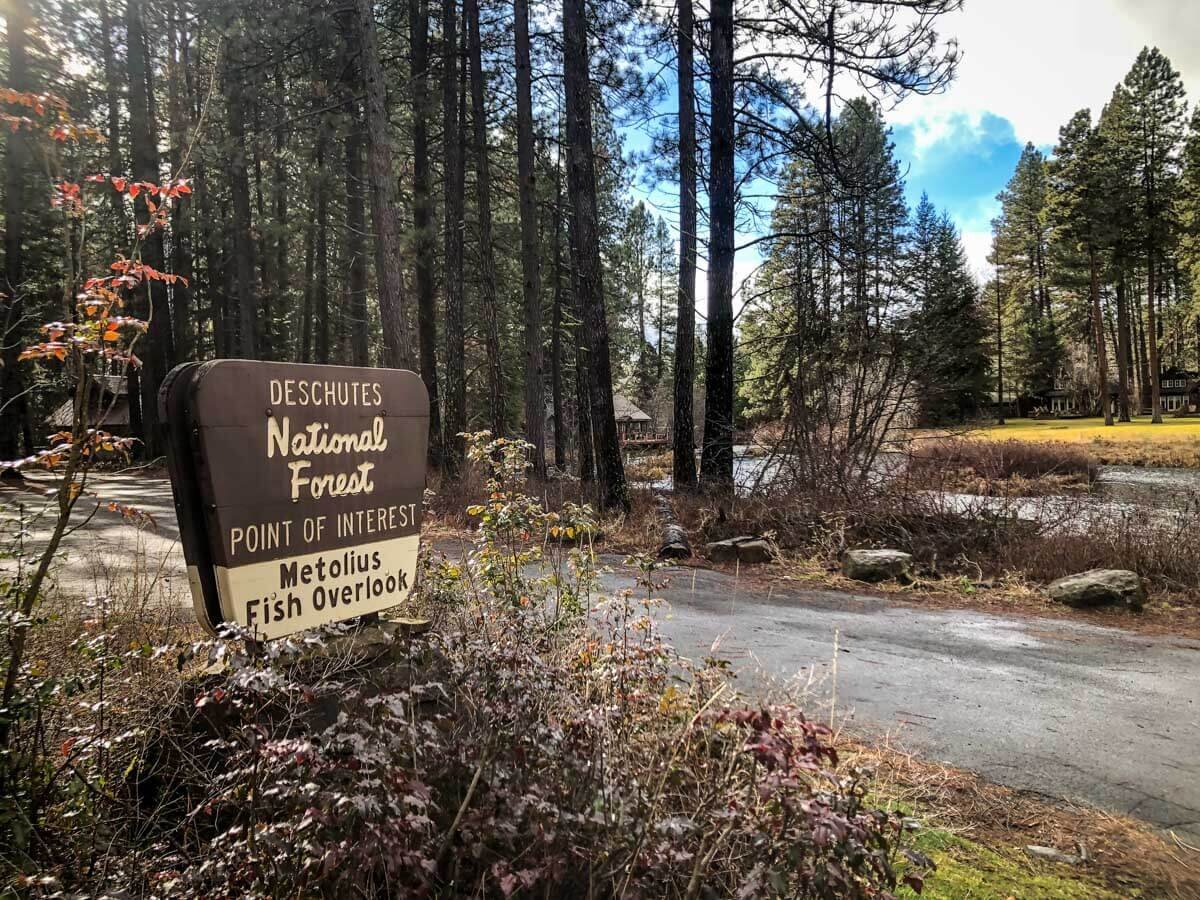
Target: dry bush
<point x="942" y="463"/>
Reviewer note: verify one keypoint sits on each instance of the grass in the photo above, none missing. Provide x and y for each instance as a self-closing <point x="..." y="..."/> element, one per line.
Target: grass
<point x="976" y="833"/>
<point x="967" y="870"/>
<point x="1174" y="442"/>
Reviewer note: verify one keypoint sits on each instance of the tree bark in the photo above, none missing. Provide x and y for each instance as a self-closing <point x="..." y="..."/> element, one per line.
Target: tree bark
<point x="13" y="402"/>
<point x="999" y="351"/>
<point x="1124" y="362"/>
<point x="245" y="344"/>
<point x="716" y="463"/>
<point x="1101" y="349"/>
<point x="322" y="264"/>
<point x="423" y="244"/>
<point x="535" y="403"/>
<point x="156" y="357"/>
<point x="397" y="343"/>
<point x="1143" y="359"/>
<point x="583" y="376"/>
<point x="356" y="250"/>
<point x="181" y="214"/>
<point x="581" y="188"/>
<point x="304" y="349"/>
<point x="112" y="98"/>
<point x="1152" y="340"/>
<point x="456" y="376"/>
<point x="483" y="196"/>
<point x="556" y="327"/>
<point x="279" y="196"/>
<point x="683" y="437"/>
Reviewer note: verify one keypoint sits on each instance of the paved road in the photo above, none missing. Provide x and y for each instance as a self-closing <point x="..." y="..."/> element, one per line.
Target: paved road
<point x="1067" y="709"/>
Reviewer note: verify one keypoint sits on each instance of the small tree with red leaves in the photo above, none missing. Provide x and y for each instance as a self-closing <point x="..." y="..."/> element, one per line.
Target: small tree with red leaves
<point x="97" y="342"/>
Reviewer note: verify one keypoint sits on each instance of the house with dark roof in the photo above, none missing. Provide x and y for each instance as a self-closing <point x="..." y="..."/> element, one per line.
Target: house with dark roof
<point x="108" y="407"/>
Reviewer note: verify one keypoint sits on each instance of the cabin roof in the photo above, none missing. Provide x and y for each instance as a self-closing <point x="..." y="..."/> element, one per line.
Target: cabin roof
<point x="626" y="411"/>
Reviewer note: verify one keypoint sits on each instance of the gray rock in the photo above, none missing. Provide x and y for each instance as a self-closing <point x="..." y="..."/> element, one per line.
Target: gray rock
<point x="745" y="549"/>
<point x="876" y="565"/>
<point x="1051" y="855"/>
<point x="1099" y="587"/>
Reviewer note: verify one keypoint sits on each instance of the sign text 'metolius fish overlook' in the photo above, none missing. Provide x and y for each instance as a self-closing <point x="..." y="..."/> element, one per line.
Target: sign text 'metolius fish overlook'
<point x="298" y="489"/>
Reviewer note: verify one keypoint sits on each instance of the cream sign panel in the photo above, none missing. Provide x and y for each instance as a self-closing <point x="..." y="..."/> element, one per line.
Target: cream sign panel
<point x="298" y="489"/>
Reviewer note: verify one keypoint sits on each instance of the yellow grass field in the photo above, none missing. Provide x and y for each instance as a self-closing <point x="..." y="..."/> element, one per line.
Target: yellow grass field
<point x="1175" y="442"/>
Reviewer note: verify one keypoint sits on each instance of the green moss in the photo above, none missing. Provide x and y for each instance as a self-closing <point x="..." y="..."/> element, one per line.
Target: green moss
<point x="969" y="871"/>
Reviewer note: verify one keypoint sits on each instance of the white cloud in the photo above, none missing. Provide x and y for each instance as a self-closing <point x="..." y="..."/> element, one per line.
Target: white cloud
<point x="1035" y="62"/>
<point x="978" y="245"/>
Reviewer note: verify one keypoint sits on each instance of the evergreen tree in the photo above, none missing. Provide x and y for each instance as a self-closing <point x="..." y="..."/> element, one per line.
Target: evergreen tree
<point x="951" y="360"/>
<point x="1156" y="100"/>
<point x="1021" y="249"/>
<point x="1079" y="208"/>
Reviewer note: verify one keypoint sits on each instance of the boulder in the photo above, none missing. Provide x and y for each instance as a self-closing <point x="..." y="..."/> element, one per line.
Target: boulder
<point x="1099" y="587"/>
<point x="876" y="565"/>
<point x="745" y="549"/>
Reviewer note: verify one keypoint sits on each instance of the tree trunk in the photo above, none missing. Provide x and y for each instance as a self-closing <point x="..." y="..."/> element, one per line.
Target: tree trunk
<point x="216" y="295"/>
<point x="322" y="265"/>
<point x="535" y="403"/>
<point x="581" y="188"/>
<point x="13" y="402"/>
<point x="279" y="196"/>
<point x="456" y="374"/>
<point x="683" y="437"/>
<point x="304" y="350"/>
<point x="716" y="464"/>
<point x="156" y="355"/>
<point x="583" y="377"/>
<point x="423" y="244"/>
<point x="181" y="214"/>
<point x="1152" y="339"/>
<point x="112" y="98"/>
<point x="1101" y="349"/>
<point x="242" y="243"/>
<point x="483" y="197"/>
<point x="556" y="327"/>
<point x="1143" y="360"/>
<point x="999" y="351"/>
<point x="397" y="344"/>
<point x="1124" y="361"/>
<point x="356" y="249"/>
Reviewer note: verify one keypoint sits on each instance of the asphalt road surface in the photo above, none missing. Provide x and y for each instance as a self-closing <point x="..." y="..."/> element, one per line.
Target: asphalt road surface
<point x="1070" y="710"/>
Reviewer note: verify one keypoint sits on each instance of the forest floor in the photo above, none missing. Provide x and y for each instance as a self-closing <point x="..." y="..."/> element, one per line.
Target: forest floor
<point x="1174" y="442"/>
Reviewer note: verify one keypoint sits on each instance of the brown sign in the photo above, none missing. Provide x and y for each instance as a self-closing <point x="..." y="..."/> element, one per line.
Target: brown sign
<point x="298" y="489"/>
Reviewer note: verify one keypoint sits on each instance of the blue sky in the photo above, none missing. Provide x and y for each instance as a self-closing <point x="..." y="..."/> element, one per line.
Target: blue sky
<point x="1027" y="66"/>
<point x="962" y="167"/>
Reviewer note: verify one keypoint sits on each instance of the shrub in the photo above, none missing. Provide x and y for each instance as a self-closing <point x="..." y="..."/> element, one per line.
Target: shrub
<point x="1004" y="460"/>
<point x="539" y="741"/>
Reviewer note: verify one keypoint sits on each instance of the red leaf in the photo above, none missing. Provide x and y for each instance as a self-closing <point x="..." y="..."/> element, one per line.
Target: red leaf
<point x="119" y="184"/>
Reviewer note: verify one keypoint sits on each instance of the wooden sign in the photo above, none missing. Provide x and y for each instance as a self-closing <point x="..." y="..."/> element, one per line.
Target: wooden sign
<point x="298" y="489"/>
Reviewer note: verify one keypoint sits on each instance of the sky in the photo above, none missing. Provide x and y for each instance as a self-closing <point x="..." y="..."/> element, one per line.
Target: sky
<point x="1027" y="66"/>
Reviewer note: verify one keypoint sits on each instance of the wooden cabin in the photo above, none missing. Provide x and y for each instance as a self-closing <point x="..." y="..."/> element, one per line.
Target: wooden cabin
<point x="109" y="408"/>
